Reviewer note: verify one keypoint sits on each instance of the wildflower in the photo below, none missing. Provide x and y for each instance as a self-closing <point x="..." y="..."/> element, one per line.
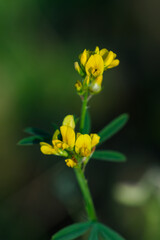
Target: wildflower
<point x="85" y="143"/>
<point x="78" y="69"/>
<point x="94" y="66"/>
<point x="70" y="163"/>
<point x="71" y="143"/>
<point x="68" y="136"/>
<point x="109" y="58"/>
<point x="84" y="57"/>
<point x="48" y="149"/>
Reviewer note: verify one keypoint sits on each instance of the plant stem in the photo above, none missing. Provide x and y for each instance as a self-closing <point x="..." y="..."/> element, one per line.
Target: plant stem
<point x="89" y="206"/>
<point x="83" y="112"/>
<point x="86" y="194"/>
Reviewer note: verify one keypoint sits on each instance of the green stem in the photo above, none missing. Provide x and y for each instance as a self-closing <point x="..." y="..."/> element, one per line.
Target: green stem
<point x="89" y="206"/>
<point x="86" y="194"/>
<point x="83" y="112"/>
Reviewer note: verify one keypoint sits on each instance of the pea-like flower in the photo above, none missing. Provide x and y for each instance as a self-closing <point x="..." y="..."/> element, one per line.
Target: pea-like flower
<point x="73" y="146"/>
<point x="85" y="143"/>
<point x="92" y="66"/>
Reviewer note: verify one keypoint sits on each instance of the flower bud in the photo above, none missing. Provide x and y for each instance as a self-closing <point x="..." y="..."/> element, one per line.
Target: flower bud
<point x="78" y="69"/>
<point x="95" y="86"/>
<point x="78" y="86"/>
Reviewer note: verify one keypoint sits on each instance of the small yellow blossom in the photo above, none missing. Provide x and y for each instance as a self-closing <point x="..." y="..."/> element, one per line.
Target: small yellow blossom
<point x="84" y="57"/>
<point x="95" y="66"/>
<point x="68" y="136"/>
<point x="83" y="145"/>
<point x="109" y="58"/>
<point x="69" y="121"/>
<point x="94" y="139"/>
<point x="78" y="69"/>
<point x="71" y="144"/>
<point x="78" y="86"/>
<point x="48" y="149"/>
<point x="70" y="163"/>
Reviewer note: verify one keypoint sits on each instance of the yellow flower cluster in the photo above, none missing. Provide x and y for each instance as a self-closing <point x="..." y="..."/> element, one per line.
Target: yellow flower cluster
<point x="74" y="146"/>
<point x="91" y="68"/>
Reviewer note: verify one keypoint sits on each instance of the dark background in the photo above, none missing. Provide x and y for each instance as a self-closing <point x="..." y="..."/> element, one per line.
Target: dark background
<point x="39" y="42"/>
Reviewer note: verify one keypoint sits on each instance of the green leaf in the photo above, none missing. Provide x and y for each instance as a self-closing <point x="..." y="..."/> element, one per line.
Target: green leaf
<point x="109" y="156"/>
<point x="30" y="140"/>
<point x="72" y="231"/>
<point x="87" y="123"/>
<point x="108" y="233"/>
<point x="113" y="127"/>
<point x="37" y="132"/>
<point x="94" y="233"/>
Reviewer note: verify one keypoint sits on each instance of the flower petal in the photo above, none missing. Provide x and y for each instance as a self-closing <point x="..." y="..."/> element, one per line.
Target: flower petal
<point x="109" y="59"/>
<point x="83" y="142"/>
<point x="114" y="63"/>
<point x="47" y="149"/>
<point x="94" y="139"/>
<point x="95" y="65"/>
<point x="68" y="135"/>
<point x="69" y="121"/>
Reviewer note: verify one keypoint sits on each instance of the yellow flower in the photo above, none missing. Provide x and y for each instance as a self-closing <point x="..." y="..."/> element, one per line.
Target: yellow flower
<point x="83" y="145"/>
<point x="70" y="163"/>
<point x="57" y="147"/>
<point x="68" y="136"/>
<point x="78" y="69"/>
<point x="48" y="149"/>
<point x="94" y="66"/>
<point x="109" y="58"/>
<point x="69" y="121"/>
<point x="78" y="86"/>
<point x="84" y="57"/>
<point x="94" y="139"/>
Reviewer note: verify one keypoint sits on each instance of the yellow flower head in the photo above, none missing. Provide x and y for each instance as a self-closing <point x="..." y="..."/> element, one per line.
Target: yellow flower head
<point x="68" y="136"/>
<point x="109" y="58"/>
<point x="70" y="163"/>
<point x="83" y="145"/>
<point x="95" y="66"/>
<point x="69" y="121"/>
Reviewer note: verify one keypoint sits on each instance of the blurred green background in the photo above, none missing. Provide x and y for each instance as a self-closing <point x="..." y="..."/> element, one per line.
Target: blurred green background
<point x="39" y="42"/>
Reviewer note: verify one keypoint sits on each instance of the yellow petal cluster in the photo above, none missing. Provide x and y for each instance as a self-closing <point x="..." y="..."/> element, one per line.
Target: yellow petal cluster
<point x="109" y="58"/>
<point x="92" y="66"/>
<point x="70" y="163"/>
<point x="85" y="143"/>
<point x="72" y="145"/>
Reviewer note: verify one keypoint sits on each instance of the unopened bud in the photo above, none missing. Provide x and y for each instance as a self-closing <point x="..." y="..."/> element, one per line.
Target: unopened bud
<point x="78" y="69"/>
